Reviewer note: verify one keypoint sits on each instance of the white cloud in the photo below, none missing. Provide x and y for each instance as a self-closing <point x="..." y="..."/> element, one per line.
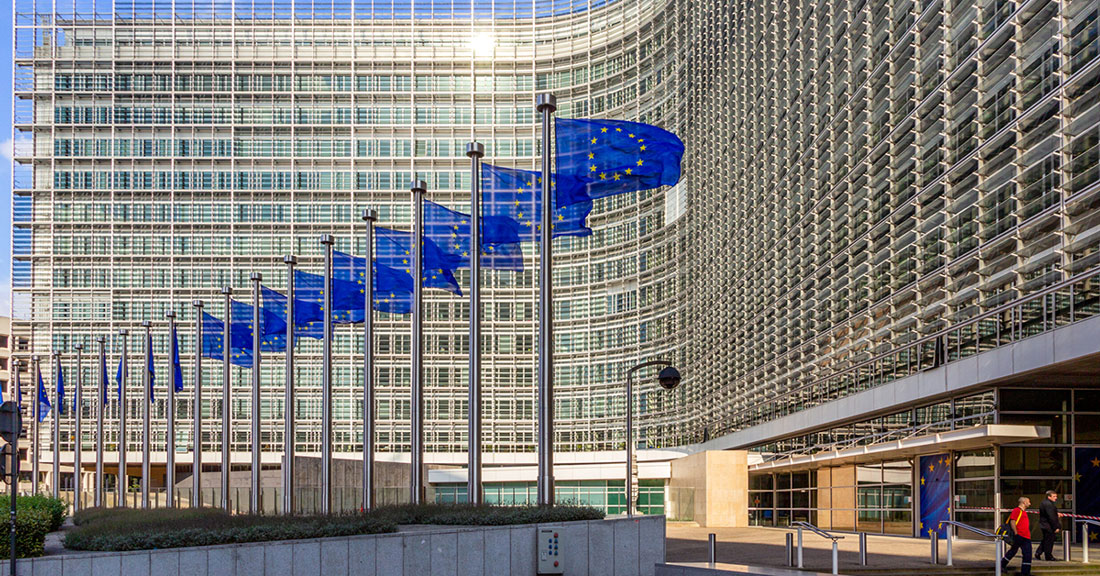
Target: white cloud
<point x="7" y="148"/>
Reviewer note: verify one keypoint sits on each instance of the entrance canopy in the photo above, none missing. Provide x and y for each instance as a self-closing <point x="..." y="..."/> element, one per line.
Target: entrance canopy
<point x="962" y="439"/>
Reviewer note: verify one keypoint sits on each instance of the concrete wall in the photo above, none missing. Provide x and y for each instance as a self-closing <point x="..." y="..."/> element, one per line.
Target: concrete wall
<point x="719" y="480"/>
<point x="614" y="547"/>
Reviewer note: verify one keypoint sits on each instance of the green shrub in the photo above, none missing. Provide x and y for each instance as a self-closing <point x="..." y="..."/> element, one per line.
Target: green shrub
<point x="31" y="527"/>
<point x="55" y="508"/>
<point x="485" y="515"/>
<point x="121" y="530"/>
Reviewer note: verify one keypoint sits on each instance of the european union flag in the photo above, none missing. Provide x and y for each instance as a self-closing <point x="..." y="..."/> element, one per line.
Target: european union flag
<point x="213" y="343"/>
<point x="451" y="231"/>
<point x="392" y="290"/>
<point x="103" y="376"/>
<point x="149" y="365"/>
<point x="60" y="390"/>
<point x="307" y="315"/>
<point x="512" y="206"/>
<point x="393" y="248"/>
<point x="177" y="367"/>
<point x="44" y="405"/>
<point x="612" y="157"/>
<point x="272" y="329"/>
<point x="121" y="375"/>
<point x="935" y="494"/>
<point x="1087" y="486"/>
<point x="347" y="302"/>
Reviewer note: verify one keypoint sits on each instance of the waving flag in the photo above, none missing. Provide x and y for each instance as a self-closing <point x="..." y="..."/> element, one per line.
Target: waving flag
<point x="512" y="206"/>
<point x="60" y="390"/>
<point x="177" y="367"/>
<point x="393" y="248"/>
<point x="43" y="399"/>
<point x="213" y="343"/>
<point x="935" y="494"/>
<point x="149" y="365"/>
<point x="121" y="375"/>
<point x="612" y="157"/>
<point x="451" y="231"/>
<point x="103" y="376"/>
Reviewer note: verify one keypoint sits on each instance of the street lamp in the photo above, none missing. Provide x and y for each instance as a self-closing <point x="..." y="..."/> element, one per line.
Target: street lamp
<point x="669" y="378"/>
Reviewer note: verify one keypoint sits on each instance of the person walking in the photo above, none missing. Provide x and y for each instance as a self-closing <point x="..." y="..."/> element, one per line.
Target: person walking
<point x="1021" y="537"/>
<point x="1050" y="523"/>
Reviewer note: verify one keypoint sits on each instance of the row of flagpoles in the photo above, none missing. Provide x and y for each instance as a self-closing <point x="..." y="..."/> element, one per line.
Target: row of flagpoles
<point x="595" y="159"/>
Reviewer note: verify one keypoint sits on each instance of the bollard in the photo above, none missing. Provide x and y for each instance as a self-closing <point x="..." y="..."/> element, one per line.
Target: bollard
<point x="999" y="550"/>
<point x="950" y="539"/>
<point x="712" y="555"/>
<point x="935" y="538"/>
<point x="1084" y="543"/>
<point x="862" y="548"/>
<point x="1066" y="546"/>
<point x="836" y="560"/>
<point x="790" y="549"/>
<point x="799" y="547"/>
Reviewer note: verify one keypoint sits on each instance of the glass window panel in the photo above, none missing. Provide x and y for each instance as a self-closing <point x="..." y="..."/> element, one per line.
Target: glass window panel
<point x="1058" y="424"/>
<point x="1087" y="428"/>
<point x="1037" y="461"/>
<point x="974" y="464"/>
<point x="1029" y="400"/>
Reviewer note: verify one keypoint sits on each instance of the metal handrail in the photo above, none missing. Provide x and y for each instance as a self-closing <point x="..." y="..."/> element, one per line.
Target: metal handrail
<point x="817" y="530"/>
<point x="836" y="554"/>
<point x="1087" y="521"/>
<point x="977" y="531"/>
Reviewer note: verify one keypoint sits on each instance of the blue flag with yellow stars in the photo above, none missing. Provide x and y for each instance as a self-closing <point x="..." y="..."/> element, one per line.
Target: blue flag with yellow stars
<point x="935" y="494"/>
<point x="309" y="295"/>
<point x="393" y="248"/>
<point x="272" y="329"/>
<point x="177" y="367"/>
<point x="612" y="157"/>
<point x="149" y="365"/>
<point x="103" y="376"/>
<point x="1087" y="489"/>
<point x="307" y="315"/>
<point x="60" y="390"/>
<point x="451" y="231"/>
<point x="121" y="374"/>
<point x="44" y="405"/>
<point x="350" y="269"/>
<point x="213" y="343"/>
<point x="512" y="206"/>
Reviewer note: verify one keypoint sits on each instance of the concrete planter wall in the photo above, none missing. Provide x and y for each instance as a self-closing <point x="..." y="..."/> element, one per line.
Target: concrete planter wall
<point x="614" y="547"/>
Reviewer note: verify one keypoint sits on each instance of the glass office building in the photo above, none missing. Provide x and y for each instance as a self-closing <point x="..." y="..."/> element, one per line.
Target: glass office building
<point x="877" y="193"/>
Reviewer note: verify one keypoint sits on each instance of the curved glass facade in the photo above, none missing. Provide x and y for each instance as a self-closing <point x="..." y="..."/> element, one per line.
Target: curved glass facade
<point x="872" y="188"/>
<point x="161" y="158"/>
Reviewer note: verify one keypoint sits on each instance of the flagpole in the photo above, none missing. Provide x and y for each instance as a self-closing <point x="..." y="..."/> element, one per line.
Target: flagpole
<point x="196" y="442"/>
<point x="475" y="150"/>
<point x="546" y="104"/>
<point x="254" y="496"/>
<point x="227" y="352"/>
<point x="147" y="407"/>
<point x="77" y="409"/>
<point x="416" y="458"/>
<point x="36" y="361"/>
<point x="100" y="411"/>
<point x="288" y="392"/>
<point x="57" y="399"/>
<point x="123" y="479"/>
<point x="326" y="383"/>
<point x="369" y="216"/>
<point x="170" y="444"/>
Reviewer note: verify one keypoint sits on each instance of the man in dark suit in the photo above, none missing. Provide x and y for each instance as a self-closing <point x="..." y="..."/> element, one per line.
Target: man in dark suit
<point x="1050" y="523"/>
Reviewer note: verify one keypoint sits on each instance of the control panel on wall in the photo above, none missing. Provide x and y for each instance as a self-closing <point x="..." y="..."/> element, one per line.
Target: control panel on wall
<point x="550" y="555"/>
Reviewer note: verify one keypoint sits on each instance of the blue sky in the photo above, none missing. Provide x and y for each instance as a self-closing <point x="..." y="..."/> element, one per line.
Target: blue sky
<point x="5" y="162"/>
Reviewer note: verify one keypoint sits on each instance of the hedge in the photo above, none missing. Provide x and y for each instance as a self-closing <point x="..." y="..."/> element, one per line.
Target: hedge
<point x="123" y="530"/>
<point x="112" y="529"/>
<point x="485" y="515"/>
<point x="56" y="508"/>
<point x="31" y="527"/>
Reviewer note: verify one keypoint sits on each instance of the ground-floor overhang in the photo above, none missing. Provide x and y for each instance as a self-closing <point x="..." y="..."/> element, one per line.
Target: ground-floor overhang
<point x="962" y="439"/>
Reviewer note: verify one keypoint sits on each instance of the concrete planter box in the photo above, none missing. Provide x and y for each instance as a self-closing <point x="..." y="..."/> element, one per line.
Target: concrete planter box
<point x="613" y="547"/>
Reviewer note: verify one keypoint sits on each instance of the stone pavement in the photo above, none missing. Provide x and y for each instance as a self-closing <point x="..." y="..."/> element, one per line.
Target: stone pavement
<point x="766" y="547"/>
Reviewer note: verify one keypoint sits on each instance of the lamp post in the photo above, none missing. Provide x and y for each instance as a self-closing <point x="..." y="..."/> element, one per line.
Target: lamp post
<point x="669" y="378"/>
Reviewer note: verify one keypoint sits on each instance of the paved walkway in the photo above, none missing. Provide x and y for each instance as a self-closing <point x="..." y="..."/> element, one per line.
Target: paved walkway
<point x="767" y="547"/>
